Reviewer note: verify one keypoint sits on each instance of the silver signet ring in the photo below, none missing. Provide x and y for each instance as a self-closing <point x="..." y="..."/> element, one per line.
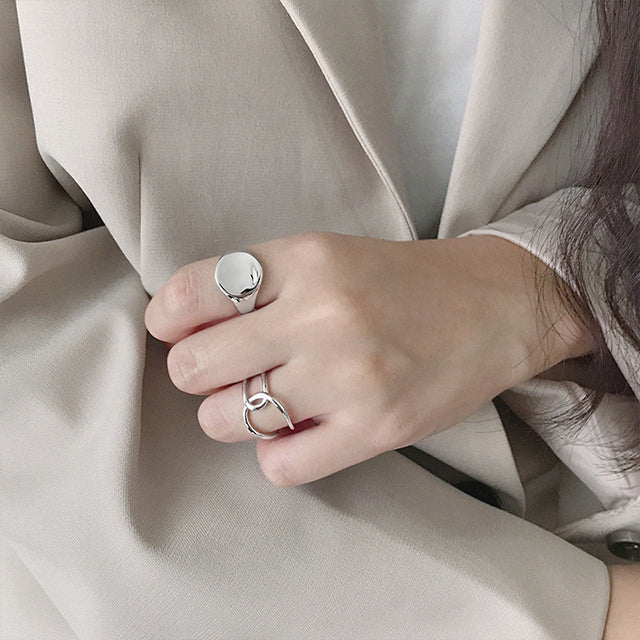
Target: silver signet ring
<point x="239" y="276"/>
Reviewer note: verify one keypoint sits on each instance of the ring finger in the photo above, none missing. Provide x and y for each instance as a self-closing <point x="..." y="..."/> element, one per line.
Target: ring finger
<point x="221" y="414"/>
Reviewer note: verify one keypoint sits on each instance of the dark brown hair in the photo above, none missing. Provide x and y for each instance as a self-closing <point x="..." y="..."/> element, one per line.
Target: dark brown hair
<point x="599" y="236"/>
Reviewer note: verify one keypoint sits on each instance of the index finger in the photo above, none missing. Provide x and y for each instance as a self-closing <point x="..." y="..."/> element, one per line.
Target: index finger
<point x="190" y="299"/>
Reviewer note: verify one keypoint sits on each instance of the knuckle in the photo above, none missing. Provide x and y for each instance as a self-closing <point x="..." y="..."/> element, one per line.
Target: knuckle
<point x="279" y="471"/>
<point x="182" y="366"/>
<point x="345" y="314"/>
<point x="214" y="423"/>
<point x="183" y="293"/>
<point x="366" y="370"/>
<point x="207" y="423"/>
<point x="315" y="247"/>
<point x="150" y="321"/>
<point x="345" y="308"/>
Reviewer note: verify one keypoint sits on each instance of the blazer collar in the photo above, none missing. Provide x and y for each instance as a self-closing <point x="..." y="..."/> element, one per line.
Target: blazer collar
<point x="344" y="40"/>
<point x="523" y="82"/>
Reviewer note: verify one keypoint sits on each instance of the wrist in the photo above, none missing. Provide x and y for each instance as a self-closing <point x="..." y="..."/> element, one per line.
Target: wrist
<point x="540" y="330"/>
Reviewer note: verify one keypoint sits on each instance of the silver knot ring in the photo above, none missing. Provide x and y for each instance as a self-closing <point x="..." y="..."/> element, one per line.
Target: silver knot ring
<point x="239" y="276"/>
<point x="259" y="401"/>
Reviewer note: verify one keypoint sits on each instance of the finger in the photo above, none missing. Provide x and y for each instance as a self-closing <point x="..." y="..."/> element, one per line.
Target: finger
<point x="221" y="414"/>
<point x="302" y="457"/>
<point x="229" y="352"/>
<point x="191" y="298"/>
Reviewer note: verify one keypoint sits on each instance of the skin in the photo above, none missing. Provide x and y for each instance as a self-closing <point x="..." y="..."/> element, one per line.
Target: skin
<point x="371" y="345"/>
<point x="623" y="620"/>
<point x="376" y="344"/>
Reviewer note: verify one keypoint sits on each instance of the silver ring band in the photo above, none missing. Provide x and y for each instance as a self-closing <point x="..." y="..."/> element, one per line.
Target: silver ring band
<point x="259" y="401"/>
<point x="247" y="401"/>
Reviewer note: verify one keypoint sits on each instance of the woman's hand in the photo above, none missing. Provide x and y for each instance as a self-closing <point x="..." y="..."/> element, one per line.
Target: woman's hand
<point x="370" y="344"/>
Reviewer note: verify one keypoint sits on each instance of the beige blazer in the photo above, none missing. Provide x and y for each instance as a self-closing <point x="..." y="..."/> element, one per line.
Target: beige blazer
<point x="189" y="128"/>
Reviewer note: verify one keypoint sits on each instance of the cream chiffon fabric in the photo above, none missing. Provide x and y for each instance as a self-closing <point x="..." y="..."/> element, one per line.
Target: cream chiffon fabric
<point x="192" y="128"/>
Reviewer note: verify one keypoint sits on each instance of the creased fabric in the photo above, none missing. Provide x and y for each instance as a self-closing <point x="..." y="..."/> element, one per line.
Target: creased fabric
<point x="190" y="129"/>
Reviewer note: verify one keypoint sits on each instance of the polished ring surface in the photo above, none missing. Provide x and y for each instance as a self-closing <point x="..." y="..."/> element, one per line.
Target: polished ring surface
<point x="239" y="275"/>
<point x="248" y="402"/>
<point x="258" y="401"/>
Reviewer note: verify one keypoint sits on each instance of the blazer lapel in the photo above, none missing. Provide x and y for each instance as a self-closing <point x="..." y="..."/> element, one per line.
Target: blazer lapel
<point x="524" y="80"/>
<point x="343" y="38"/>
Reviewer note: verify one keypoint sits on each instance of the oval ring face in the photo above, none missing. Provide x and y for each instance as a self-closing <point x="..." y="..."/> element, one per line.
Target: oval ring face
<point x="239" y="276"/>
<point x="264" y="398"/>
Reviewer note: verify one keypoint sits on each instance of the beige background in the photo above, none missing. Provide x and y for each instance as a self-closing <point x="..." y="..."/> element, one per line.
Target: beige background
<point x="192" y="128"/>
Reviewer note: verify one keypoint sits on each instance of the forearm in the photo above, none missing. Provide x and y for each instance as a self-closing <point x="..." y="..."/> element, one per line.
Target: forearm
<point x="524" y="286"/>
<point x="623" y="620"/>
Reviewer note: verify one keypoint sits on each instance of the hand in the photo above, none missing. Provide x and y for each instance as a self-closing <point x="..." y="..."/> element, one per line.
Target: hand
<point x="370" y="344"/>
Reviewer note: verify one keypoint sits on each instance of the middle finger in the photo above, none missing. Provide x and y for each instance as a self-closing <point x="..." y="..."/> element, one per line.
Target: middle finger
<point x="230" y="351"/>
